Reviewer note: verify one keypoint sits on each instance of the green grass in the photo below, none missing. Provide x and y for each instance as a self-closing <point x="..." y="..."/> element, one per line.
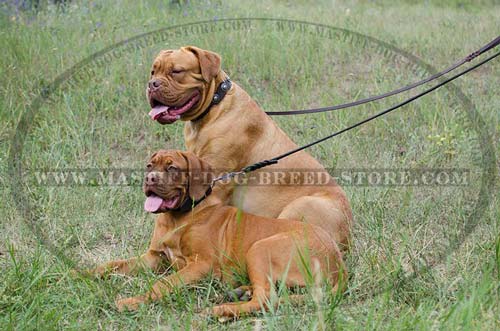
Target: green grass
<point x="101" y="122"/>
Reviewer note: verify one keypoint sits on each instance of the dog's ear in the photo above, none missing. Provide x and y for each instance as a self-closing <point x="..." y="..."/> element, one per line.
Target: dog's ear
<point x="209" y="62"/>
<point x="200" y="175"/>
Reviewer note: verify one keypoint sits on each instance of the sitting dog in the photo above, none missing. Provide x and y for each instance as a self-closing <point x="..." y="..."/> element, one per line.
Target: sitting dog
<point x="198" y="235"/>
<point x="226" y="127"/>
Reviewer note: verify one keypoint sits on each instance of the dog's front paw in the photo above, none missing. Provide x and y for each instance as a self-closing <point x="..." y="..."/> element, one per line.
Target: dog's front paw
<point x="102" y="271"/>
<point x="129" y="304"/>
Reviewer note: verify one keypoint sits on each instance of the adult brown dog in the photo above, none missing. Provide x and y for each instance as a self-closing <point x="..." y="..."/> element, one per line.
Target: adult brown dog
<point x="236" y="133"/>
<point x="217" y="239"/>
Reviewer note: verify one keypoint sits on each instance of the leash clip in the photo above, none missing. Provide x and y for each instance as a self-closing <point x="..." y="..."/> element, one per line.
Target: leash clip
<point x="227" y="175"/>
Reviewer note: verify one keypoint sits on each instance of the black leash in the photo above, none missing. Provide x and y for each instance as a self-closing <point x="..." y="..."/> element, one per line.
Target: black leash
<point x="276" y="159"/>
<point x="495" y="42"/>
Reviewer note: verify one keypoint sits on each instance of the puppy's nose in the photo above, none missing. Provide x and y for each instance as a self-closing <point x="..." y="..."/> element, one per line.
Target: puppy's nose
<point x="152" y="178"/>
<point x="154" y="84"/>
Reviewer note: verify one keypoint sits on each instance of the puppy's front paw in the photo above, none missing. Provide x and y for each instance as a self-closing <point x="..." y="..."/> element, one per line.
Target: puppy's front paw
<point x="101" y="271"/>
<point x="129" y="304"/>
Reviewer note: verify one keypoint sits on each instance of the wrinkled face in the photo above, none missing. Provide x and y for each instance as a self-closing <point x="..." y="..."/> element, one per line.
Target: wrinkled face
<point x="172" y="177"/>
<point x="181" y="83"/>
<point x="165" y="184"/>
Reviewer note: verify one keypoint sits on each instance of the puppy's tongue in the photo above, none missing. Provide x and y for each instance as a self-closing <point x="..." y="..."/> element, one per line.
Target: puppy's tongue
<point x="152" y="203"/>
<point x="157" y="111"/>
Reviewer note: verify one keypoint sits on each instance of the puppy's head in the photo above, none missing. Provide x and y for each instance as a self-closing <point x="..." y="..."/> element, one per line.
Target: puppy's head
<point x="172" y="177"/>
<point x="182" y="83"/>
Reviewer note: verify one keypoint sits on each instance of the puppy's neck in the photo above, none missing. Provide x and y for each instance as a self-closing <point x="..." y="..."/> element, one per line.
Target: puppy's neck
<point x="207" y="206"/>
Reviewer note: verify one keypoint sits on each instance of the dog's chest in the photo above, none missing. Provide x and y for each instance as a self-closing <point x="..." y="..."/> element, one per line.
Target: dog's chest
<point x="218" y="145"/>
<point x="170" y="247"/>
<point x="196" y="139"/>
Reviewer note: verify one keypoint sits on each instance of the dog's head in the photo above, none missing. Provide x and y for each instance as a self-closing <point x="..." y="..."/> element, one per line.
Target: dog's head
<point x="172" y="177"/>
<point x="182" y="83"/>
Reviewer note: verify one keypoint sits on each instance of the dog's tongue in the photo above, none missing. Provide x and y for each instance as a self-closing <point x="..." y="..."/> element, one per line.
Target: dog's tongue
<point x="152" y="203"/>
<point x="157" y="111"/>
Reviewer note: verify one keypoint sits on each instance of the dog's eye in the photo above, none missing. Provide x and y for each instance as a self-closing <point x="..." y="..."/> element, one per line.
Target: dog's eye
<point x="152" y="72"/>
<point x="149" y="166"/>
<point x="177" y="71"/>
<point x="171" y="168"/>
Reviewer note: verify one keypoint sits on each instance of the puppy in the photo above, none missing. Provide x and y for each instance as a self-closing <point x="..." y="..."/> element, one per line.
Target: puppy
<point x="198" y="235"/>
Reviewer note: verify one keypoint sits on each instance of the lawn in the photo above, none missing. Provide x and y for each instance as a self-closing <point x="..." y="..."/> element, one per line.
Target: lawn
<point x="424" y="256"/>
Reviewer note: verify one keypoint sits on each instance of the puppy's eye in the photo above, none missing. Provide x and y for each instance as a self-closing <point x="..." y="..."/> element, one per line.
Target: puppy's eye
<point x="171" y="168"/>
<point x="177" y="71"/>
<point x="149" y="166"/>
<point x="152" y="72"/>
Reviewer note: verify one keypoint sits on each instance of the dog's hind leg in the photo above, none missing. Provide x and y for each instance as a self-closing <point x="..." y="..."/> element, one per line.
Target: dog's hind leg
<point x="268" y="260"/>
<point x="325" y="211"/>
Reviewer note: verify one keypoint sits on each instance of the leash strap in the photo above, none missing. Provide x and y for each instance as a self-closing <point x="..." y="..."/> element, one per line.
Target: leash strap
<point x="495" y="42"/>
<point x="276" y="159"/>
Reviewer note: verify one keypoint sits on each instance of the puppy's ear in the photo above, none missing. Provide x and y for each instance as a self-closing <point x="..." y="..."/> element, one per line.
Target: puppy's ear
<point x="200" y="175"/>
<point x="209" y="62"/>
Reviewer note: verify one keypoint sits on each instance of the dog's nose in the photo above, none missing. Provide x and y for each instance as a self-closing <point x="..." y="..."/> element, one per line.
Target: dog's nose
<point x="152" y="178"/>
<point x="154" y="84"/>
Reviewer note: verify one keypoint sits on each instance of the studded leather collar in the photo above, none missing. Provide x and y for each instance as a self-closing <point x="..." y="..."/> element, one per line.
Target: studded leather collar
<point x="222" y="89"/>
<point x="189" y="203"/>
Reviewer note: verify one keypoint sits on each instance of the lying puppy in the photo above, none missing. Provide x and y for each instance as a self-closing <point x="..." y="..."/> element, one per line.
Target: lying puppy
<point x="225" y="127"/>
<point x="217" y="239"/>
